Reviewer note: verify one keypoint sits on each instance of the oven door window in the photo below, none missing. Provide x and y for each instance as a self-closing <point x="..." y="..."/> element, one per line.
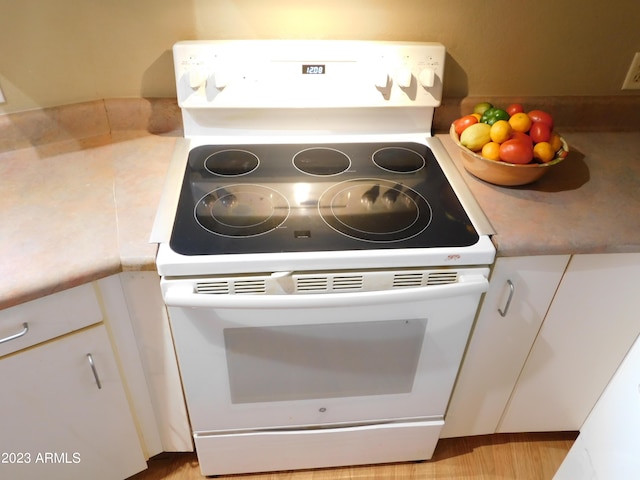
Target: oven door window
<point x="302" y="362"/>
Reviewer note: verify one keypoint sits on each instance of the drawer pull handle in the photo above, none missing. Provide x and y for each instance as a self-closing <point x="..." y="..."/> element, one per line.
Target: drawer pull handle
<point x="506" y="307"/>
<point x="95" y="372"/>
<point x="21" y="333"/>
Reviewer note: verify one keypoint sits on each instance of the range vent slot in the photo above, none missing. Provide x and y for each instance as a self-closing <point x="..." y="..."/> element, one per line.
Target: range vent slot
<point x="226" y="287"/>
<point x="312" y="284"/>
<point x="249" y="286"/>
<point x="418" y="279"/>
<point x="442" y="278"/>
<point x="347" y="282"/>
<point x="329" y="283"/>
<point x="404" y="280"/>
<point x="213" y="288"/>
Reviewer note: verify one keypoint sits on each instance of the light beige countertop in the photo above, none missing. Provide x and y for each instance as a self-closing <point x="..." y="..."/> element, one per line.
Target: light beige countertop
<point x="76" y="210"/>
<point x="589" y="203"/>
<point x="73" y="212"/>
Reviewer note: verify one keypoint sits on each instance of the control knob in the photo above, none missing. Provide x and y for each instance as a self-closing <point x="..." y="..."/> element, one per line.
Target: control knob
<point x="403" y="77"/>
<point x="221" y="77"/>
<point x="427" y="77"/>
<point x="197" y="77"/>
<point x="381" y="79"/>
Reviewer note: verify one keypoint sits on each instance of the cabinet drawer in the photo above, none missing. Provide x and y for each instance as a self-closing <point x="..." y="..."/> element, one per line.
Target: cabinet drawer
<point x="316" y="448"/>
<point x="48" y="317"/>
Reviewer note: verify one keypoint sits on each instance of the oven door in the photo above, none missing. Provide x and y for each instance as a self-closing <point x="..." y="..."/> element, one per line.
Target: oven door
<point x="287" y="361"/>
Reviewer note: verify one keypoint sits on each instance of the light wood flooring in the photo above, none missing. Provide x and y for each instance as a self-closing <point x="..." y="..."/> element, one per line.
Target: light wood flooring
<point x="532" y="456"/>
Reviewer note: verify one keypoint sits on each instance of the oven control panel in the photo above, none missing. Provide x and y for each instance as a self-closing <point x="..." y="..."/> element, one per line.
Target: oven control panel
<point x="307" y="73"/>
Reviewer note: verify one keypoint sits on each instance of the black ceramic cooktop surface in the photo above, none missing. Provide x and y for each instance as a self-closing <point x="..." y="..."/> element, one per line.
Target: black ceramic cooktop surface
<point x="295" y="198"/>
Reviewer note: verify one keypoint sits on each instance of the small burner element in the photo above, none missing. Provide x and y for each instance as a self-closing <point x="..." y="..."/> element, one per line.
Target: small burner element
<point x="398" y="160"/>
<point x="374" y="210"/>
<point x="231" y="163"/>
<point x="243" y="210"/>
<point x="321" y="161"/>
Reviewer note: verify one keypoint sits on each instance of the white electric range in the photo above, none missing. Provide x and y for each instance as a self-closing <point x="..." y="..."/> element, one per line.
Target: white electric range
<point x="321" y="258"/>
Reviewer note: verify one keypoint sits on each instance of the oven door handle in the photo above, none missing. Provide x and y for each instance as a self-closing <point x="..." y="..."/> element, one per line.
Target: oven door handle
<point x="181" y="296"/>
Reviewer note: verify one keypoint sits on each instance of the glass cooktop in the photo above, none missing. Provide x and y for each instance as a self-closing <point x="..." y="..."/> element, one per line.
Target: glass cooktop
<point x="295" y="198"/>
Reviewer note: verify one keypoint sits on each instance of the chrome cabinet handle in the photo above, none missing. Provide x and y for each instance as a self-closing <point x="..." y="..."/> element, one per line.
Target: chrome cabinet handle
<point x="93" y="369"/>
<point x="25" y="329"/>
<point x="506" y="307"/>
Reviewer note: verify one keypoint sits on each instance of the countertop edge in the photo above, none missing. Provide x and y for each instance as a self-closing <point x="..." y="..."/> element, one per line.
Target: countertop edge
<point x="35" y="290"/>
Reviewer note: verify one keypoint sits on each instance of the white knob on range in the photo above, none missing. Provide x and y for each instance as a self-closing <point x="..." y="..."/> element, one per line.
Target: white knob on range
<point x="221" y="77"/>
<point x="197" y="76"/>
<point x="427" y="77"/>
<point x="403" y="77"/>
<point x="381" y="78"/>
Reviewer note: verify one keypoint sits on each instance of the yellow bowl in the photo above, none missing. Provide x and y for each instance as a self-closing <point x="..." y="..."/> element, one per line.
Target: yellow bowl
<point x="503" y="173"/>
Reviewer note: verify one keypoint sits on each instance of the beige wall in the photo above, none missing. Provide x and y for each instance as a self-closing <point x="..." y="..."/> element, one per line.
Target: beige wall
<point x="55" y="52"/>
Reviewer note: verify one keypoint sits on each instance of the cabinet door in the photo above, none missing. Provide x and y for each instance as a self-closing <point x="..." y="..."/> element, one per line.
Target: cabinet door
<point x="500" y="344"/>
<point x="608" y="443"/>
<point x="56" y="423"/>
<point x="117" y="317"/>
<point x="152" y="333"/>
<point x="589" y="329"/>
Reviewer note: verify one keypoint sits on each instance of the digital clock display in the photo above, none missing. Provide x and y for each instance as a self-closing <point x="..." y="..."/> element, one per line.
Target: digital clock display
<point x="314" y="69"/>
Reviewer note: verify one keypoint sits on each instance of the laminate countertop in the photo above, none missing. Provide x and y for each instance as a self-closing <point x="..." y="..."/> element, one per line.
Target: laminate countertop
<point x="74" y="211"/>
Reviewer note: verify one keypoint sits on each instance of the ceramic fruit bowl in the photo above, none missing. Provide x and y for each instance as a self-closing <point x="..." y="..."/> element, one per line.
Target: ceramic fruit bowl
<point x="503" y="173"/>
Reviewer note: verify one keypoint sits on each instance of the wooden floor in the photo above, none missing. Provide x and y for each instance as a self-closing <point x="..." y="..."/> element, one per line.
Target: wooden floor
<point x="489" y="457"/>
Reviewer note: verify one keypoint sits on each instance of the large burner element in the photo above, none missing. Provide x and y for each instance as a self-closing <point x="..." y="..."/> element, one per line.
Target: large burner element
<point x="374" y="210"/>
<point x="244" y="210"/>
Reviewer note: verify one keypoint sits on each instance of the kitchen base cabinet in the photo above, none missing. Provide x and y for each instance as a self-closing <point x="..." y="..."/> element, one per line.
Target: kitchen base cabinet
<point x="150" y="324"/>
<point x="588" y="330"/>
<point x="131" y="368"/>
<point x="64" y="412"/>
<point x="607" y="447"/>
<point x="500" y="343"/>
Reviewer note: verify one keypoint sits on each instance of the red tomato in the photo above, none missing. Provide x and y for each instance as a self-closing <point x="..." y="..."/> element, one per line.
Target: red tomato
<point x="540" y="116"/>
<point x="516" y="151"/>
<point x="522" y="136"/>
<point x="514" y="108"/>
<point x="540" y="132"/>
<point x="462" y="123"/>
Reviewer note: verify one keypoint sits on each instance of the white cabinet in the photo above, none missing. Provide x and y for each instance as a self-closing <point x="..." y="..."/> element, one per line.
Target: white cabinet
<point x="48" y="317"/>
<point x="499" y="344"/>
<point x="53" y="417"/>
<point x="139" y="328"/>
<point x="543" y="365"/>
<point x="589" y="328"/>
<point x="57" y="422"/>
<point x="125" y="347"/>
<point x="607" y="446"/>
<point x="151" y="332"/>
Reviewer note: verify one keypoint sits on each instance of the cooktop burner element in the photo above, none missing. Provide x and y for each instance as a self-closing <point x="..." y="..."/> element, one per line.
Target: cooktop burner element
<point x="232" y="162"/>
<point x="374" y="210"/>
<point x="298" y="198"/>
<point x="241" y="210"/>
<point x="398" y="160"/>
<point x="321" y="161"/>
